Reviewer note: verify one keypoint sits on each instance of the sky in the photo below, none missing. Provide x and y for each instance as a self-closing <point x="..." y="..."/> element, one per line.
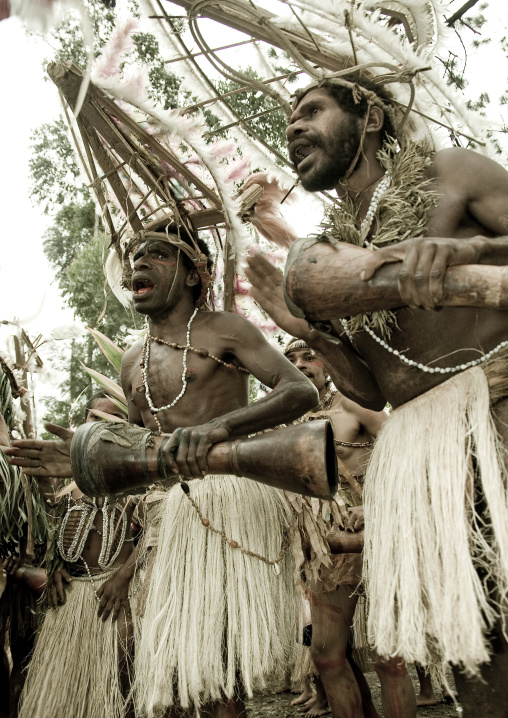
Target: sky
<point x="27" y="293"/>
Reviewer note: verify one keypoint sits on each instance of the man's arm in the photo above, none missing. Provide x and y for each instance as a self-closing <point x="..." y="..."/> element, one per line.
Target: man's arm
<point x="480" y="187"/>
<point x="292" y="395"/>
<point x="349" y="374"/>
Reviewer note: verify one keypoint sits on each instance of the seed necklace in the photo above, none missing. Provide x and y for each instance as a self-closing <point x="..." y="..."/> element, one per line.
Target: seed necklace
<point x="145" y="357"/>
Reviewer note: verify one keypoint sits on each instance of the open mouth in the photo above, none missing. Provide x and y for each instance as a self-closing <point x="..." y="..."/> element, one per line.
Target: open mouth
<point x="141" y="287"/>
<point x="301" y="153"/>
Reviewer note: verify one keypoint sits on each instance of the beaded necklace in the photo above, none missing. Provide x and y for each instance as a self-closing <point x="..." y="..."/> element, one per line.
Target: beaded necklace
<point x="155" y="410"/>
<point x="432" y="369"/>
<point x="145" y="358"/>
<point x="88" y="510"/>
<point x="187" y="347"/>
<point x="374" y="202"/>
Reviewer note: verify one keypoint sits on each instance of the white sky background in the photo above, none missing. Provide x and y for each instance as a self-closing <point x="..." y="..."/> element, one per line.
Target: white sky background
<point x="27" y="101"/>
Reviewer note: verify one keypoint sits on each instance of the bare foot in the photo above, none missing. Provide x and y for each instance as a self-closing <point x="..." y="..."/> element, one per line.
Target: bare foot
<point x="318" y="708"/>
<point x="426" y="700"/>
<point x="308" y="705"/>
<point x="447" y="696"/>
<point x="306" y="696"/>
<point x="285" y="687"/>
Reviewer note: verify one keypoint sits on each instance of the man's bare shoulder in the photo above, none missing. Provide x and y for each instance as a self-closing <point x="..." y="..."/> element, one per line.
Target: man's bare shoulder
<point x="232" y="326"/>
<point x="131" y="357"/>
<point x="363" y="415"/>
<point x="461" y="165"/>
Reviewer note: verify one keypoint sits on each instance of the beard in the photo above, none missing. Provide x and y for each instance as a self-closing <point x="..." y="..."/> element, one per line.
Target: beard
<point x="340" y="151"/>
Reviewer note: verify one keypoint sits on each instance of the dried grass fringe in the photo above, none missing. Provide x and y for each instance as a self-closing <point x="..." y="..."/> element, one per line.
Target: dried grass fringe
<point x="74" y="668"/>
<point x="213" y="616"/>
<point x="402" y="212"/>
<point x="430" y="562"/>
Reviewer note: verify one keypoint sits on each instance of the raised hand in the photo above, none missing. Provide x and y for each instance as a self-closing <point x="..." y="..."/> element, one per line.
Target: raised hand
<point x="356" y="519"/>
<point x="267" y="290"/>
<point x="43" y="458"/>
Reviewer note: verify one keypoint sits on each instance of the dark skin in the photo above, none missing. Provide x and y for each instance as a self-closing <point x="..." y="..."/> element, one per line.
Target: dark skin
<point x="332" y="612"/>
<point x="468" y="225"/>
<point x="214" y="406"/>
<point x="472" y="205"/>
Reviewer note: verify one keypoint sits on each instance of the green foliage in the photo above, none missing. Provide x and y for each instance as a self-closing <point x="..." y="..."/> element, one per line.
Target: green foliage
<point x="73" y="229"/>
<point x="163" y="86"/>
<point x="86" y="291"/>
<point x="67" y="37"/>
<point x="54" y="172"/>
<point x="111" y="351"/>
<point x="270" y="126"/>
<point x="84" y="287"/>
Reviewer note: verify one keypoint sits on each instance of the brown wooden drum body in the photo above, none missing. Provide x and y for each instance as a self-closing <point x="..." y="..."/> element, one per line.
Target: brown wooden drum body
<point x="322" y="282"/>
<point x="122" y="458"/>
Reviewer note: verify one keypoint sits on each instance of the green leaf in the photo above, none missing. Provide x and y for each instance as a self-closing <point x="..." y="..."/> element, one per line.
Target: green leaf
<point x="111" y="351"/>
<point x="109" y="385"/>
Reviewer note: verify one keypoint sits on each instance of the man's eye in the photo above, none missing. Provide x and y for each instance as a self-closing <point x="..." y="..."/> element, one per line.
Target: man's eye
<point x="314" y="110"/>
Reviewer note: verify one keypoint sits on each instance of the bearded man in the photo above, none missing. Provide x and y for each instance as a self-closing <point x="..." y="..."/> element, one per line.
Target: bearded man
<point x="436" y="511"/>
<point x="218" y="605"/>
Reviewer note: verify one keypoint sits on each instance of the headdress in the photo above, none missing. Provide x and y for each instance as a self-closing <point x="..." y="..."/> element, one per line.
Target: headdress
<point x="392" y="42"/>
<point x="295" y="345"/>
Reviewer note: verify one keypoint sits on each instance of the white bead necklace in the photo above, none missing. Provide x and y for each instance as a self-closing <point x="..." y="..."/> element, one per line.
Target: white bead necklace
<point x="374" y="202"/>
<point x="435" y="370"/>
<point x="144" y="372"/>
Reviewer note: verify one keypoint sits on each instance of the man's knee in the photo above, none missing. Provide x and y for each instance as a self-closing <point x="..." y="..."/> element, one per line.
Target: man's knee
<point x="327" y="658"/>
<point x="389" y="667"/>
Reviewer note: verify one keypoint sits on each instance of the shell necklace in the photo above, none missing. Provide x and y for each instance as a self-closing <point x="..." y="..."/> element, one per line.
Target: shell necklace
<point x="145" y="358"/>
<point x="374" y="202"/>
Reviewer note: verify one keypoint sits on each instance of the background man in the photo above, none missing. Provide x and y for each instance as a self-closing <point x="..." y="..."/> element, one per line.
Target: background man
<point x="81" y="665"/>
<point x="453" y="204"/>
<point x="333" y="588"/>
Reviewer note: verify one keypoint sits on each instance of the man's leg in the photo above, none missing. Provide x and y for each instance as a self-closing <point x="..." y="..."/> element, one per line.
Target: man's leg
<point x="487" y="695"/>
<point x="332" y="615"/>
<point x="318" y="704"/>
<point x="306" y="694"/>
<point x="368" y="708"/>
<point x="125" y="634"/>
<point x="426" y="696"/>
<point x="397" y="692"/>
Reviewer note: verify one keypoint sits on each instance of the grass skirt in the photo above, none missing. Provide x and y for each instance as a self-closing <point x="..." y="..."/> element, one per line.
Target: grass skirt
<point x="213" y="616"/>
<point x="74" y="668"/>
<point x="432" y="563"/>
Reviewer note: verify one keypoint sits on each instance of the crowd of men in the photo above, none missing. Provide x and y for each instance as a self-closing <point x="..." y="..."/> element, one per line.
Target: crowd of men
<point x="200" y="613"/>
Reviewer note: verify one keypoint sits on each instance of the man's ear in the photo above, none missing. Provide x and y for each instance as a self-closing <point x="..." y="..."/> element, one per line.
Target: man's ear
<point x="192" y="278"/>
<point x="375" y="120"/>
